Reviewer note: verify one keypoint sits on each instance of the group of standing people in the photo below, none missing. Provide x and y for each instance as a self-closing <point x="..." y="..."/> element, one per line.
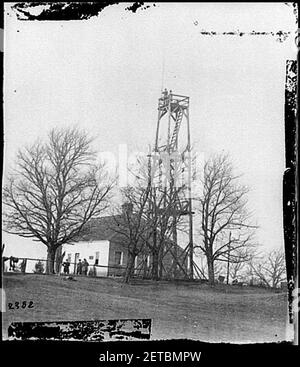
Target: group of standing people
<point x="81" y="268"/>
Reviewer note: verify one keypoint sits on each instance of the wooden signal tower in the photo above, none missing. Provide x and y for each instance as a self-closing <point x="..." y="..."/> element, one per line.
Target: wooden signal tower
<point x="173" y="140"/>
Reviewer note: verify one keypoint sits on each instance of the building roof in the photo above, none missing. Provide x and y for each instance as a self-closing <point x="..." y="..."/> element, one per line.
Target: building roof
<point x="105" y="229"/>
<point x="99" y="229"/>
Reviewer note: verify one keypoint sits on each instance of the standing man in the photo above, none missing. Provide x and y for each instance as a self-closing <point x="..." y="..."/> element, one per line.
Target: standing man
<point x="79" y="267"/>
<point x="66" y="266"/>
<point x="85" y="266"/>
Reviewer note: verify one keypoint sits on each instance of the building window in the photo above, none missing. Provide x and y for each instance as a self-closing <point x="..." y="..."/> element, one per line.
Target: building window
<point x="91" y="257"/>
<point x="69" y="257"/>
<point x="118" y="257"/>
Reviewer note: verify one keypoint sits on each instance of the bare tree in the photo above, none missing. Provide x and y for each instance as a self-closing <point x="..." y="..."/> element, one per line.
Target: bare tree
<point x="164" y="214"/>
<point x="270" y="269"/>
<point x="164" y="209"/>
<point x="235" y="270"/>
<point x="148" y="225"/>
<point x="237" y="262"/>
<point x="225" y="222"/>
<point x="131" y="226"/>
<point x="239" y="267"/>
<point x="55" y="190"/>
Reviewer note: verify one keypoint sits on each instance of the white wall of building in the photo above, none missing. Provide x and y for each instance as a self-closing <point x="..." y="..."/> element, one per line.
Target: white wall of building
<point x="89" y="251"/>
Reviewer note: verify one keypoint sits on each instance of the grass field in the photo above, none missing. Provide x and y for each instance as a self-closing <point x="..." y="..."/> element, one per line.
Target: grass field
<point x="178" y="310"/>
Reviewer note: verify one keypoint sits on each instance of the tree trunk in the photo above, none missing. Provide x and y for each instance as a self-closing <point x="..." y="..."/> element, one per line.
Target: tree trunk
<point x="59" y="256"/>
<point x="160" y="261"/>
<point x="145" y="267"/>
<point x="129" y="268"/>
<point x="228" y="260"/>
<point x="211" y="270"/>
<point x="155" y="263"/>
<point x="51" y="251"/>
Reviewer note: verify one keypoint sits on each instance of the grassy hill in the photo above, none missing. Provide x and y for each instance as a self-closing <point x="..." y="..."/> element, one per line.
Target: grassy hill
<point x="178" y="310"/>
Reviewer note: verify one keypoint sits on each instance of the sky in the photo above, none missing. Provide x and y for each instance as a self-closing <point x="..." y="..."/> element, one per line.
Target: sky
<point x="106" y="74"/>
